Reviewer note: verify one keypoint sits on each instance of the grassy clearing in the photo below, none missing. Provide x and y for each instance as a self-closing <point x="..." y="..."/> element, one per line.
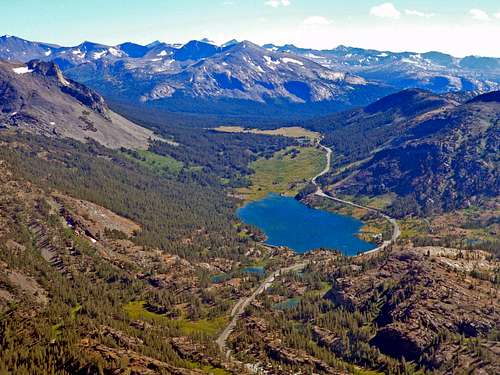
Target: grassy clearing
<point x="325" y="288"/>
<point x="136" y="310"/>
<point x="207" y="369"/>
<point x="379" y="201"/>
<point x="382" y="201"/>
<point x="285" y="173"/>
<point x="56" y="330"/>
<point x="74" y="311"/>
<point x="292" y="132"/>
<point x="209" y="327"/>
<point x="154" y="162"/>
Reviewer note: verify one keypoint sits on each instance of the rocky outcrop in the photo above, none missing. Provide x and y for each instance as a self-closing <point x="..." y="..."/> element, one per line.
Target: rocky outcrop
<point x="188" y="349"/>
<point x="328" y="339"/>
<point x="397" y="341"/>
<point x="274" y="348"/>
<point x="38" y="98"/>
<point x="46" y="248"/>
<point x="138" y="364"/>
<point x="422" y="305"/>
<point x="83" y="94"/>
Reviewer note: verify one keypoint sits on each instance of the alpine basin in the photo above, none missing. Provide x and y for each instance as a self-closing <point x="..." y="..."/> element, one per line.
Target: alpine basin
<point x="287" y="222"/>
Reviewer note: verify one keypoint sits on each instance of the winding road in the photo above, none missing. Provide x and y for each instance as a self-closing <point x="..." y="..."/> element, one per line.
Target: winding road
<point x="396" y="231"/>
<point x="240" y="307"/>
<point x="243" y="303"/>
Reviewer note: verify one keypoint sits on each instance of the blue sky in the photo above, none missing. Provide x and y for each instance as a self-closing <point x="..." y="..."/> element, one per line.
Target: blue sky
<point x="460" y="27"/>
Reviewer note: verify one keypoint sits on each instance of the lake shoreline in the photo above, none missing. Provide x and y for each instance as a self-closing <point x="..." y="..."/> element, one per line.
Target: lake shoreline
<point x="288" y="222"/>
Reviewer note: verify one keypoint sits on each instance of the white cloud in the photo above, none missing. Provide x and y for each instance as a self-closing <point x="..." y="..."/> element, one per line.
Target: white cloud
<point x="416" y="13"/>
<point x="497" y="15"/>
<point x="385" y="10"/>
<point x="278" y="3"/>
<point x="479" y="14"/>
<point x="316" y="21"/>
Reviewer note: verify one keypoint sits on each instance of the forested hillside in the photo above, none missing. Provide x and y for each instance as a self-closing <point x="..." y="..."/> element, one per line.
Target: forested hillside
<point x="356" y="133"/>
<point x="444" y="160"/>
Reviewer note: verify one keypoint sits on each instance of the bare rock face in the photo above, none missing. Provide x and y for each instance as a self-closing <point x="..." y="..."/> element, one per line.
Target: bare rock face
<point x="38" y="98"/>
<point x="78" y="91"/>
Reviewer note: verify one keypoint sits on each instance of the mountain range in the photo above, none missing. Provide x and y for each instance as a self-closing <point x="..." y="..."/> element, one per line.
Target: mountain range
<point x="242" y="76"/>
<point x="120" y="251"/>
<point x="432" y="70"/>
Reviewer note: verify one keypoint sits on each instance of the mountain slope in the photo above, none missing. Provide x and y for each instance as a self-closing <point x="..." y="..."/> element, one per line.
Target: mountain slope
<point x="239" y="72"/>
<point x="356" y="133"/>
<point x="38" y="98"/>
<point x="16" y="49"/>
<point x="444" y="161"/>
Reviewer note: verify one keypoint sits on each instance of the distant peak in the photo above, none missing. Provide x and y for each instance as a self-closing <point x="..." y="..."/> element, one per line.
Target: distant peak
<point x="91" y="44"/>
<point x="208" y="41"/>
<point x="247" y="44"/>
<point x="153" y="44"/>
<point x="7" y="36"/>
<point x="131" y="44"/>
<point x="230" y="43"/>
<point x="194" y="42"/>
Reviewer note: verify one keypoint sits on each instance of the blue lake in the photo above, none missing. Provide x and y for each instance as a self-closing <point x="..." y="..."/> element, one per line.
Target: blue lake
<point x="287" y="222"/>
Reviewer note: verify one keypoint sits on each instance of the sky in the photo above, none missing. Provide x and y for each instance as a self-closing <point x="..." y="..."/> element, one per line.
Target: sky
<point x="459" y="27"/>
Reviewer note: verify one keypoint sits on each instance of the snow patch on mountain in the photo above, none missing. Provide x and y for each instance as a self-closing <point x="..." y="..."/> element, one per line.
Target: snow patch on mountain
<point x="22" y="70"/>
<point x="115" y="52"/>
<point x="271" y="63"/>
<point x="98" y="55"/>
<point x="288" y="60"/>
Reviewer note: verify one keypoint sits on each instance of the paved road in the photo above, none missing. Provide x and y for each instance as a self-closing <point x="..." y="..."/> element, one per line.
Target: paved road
<point x="240" y="307"/>
<point x="328" y="164"/>
<point x="396" y="231"/>
<point x="243" y="303"/>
